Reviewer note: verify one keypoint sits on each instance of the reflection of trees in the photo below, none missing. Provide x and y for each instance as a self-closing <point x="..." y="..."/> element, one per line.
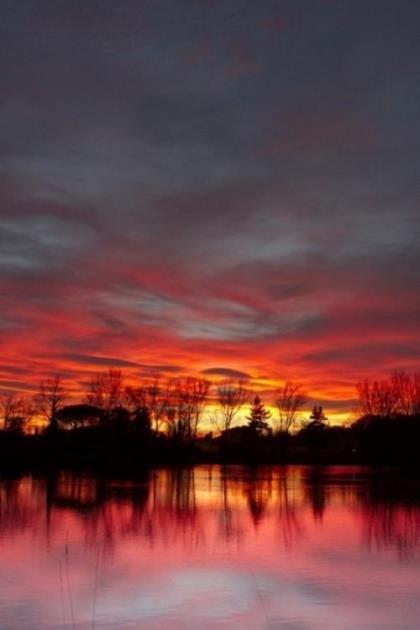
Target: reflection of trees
<point x="76" y="492"/>
<point x="226" y="529"/>
<point x="105" y="510"/>
<point x="391" y="517"/>
<point x="258" y="491"/>
<point x="174" y="512"/>
<point x="324" y="485"/>
<point x="160" y="507"/>
<point x="289" y="524"/>
<point x="118" y="512"/>
<point x="19" y="508"/>
<point x="315" y="487"/>
<point x="184" y="507"/>
<point x="396" y="527"/>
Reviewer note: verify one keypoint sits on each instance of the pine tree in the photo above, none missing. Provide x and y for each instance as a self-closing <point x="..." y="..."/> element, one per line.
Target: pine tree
<point x="258" y="417"/>
<point x="317" y="419"/>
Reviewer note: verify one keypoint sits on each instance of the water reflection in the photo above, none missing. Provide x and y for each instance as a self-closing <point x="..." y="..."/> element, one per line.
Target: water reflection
<point x="391" y="517"/>
<point x="179" y="503"/>
<point x="214" y="546"/>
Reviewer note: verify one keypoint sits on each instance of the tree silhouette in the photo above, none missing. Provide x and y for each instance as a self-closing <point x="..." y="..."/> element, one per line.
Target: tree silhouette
<point x="317" y="419"/>
<point x="78" y="416"/>
<point x="15" y="412"/>
<point x="289" y="400"/>
<point x="155" y="403"/>
<point x="398" y="395"/>
<point x="377" y="398"/>
<point x="258" y="417"/>
<point x="106" y="391"/>
<point x="231" y="397"/>
<point x="186" y="399"/>
<point x="50" y="399"/>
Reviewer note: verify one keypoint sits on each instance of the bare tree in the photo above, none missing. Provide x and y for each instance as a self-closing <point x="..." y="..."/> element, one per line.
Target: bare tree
<point x="398" y="395"/>
<point x="50" y="399"/>
<point x="151" y="398"/>
<point x="406" y="388"/>
<point x="171" y="414"/>
<point x="135" y="398"/>
<point x="416" y="394"/>
<point x="289" y="400"/>
<point x="15" y="412"/>
<point x="155" y="401"/>
<point x="377" y="398"/>
<point x="106" y="391"/>
<point x="231" y="397"/>
<point x="177" y="410"/>
<point x="185" y="402"/>
<point x="198" y="392"/>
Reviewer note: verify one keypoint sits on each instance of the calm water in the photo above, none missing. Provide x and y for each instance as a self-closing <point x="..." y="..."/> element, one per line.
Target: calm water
<point x="211" y="547"/>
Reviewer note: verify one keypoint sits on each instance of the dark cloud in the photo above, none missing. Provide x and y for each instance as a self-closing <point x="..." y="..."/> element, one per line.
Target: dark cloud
<point x="89" y="359"/>
<point x="17" y="385"/>
<point x="226" y="372"/>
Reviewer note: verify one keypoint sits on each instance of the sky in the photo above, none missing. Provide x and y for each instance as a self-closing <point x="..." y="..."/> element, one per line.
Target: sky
<point x="219" y="187"/>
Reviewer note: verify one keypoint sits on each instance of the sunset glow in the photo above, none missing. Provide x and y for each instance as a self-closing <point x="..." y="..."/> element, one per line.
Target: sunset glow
<point x="219" y="550"/>
<point x="225" y="201"/>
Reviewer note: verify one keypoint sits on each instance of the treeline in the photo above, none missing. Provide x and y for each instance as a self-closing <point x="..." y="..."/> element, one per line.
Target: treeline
<point x="397" y="396"/>
<point x="388" y="427"/>
<point x="175" y="407"/>
<point x="118" y="425"/>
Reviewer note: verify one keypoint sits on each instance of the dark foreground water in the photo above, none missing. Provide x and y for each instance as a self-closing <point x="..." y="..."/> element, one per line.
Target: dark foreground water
<point x="211" y="547"/>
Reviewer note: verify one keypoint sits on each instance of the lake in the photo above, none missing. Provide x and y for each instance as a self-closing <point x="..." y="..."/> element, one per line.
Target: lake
<point x="293" y="548"/>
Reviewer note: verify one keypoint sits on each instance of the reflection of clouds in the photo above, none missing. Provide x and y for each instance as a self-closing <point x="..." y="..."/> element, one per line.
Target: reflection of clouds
<point x="239" y="596"/>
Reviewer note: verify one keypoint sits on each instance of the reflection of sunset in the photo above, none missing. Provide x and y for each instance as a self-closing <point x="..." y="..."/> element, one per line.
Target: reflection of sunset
<point x="194" y="498"/>
<point x="204" y="534"/>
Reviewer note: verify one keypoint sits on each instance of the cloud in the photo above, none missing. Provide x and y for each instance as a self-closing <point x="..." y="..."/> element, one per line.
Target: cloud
<point x="89" y="359"/>
<point x="226" y="372"/>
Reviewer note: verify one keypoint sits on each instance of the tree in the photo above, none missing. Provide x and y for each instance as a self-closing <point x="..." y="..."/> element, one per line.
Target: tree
<point x="398" y="395"/>
<point x="185" y="402"/>
<point x="106" y="391"/>
<point x="231" y="397"/>
<point x="77" y="416"/>
<point x="15" y="412"/>
<point x="142" y="422"/>
<point x="258" y="417"/>
<point x="139" y="410"/>
<point x="50" y="399"/>
<point x="416" y="394"/>
<point x="317" y="419"/>
<point x="135" y="398"/>
<point x="377" y="398"/>
<point x="403" y="387"/>
<point x="289" y="400"/>
<point x="155" y="403"/>
<point x="406" y="389"/>
<point x="198" y="389"/>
